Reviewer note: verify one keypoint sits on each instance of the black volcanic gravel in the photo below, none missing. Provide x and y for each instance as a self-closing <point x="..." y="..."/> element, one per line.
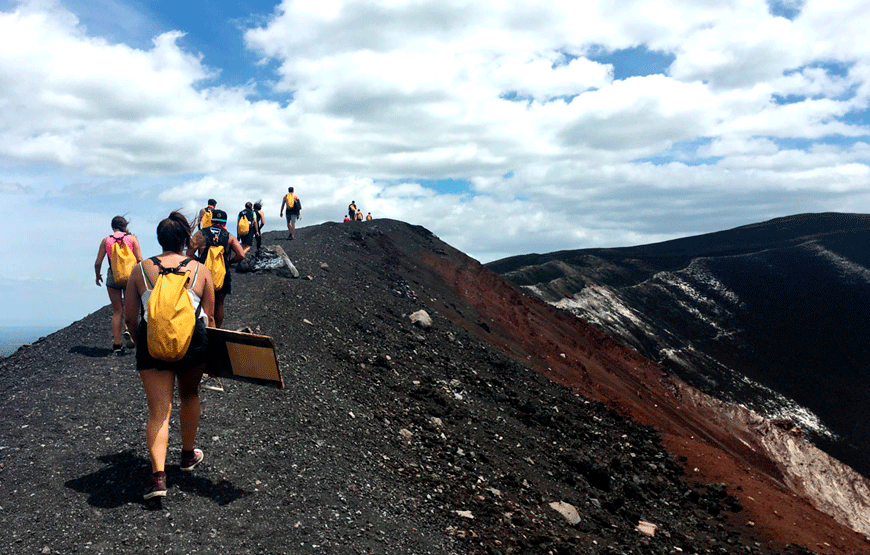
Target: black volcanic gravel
<point x="389" y="438"/>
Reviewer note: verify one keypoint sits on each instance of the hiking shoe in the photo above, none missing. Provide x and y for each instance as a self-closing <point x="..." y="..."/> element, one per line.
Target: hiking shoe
<point x="155" y="485"/>
<point x="211" y="383"/>
<point x="128" y="340"/>
<point x="189" y="459"/>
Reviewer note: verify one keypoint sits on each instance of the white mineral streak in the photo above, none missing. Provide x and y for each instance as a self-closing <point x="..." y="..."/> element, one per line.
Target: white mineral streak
<point x="831" y="486"/>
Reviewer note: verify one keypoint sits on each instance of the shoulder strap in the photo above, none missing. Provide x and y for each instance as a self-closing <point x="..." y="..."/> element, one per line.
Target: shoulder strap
<point x="164" y="270"/>
<point x="148" y="283"/>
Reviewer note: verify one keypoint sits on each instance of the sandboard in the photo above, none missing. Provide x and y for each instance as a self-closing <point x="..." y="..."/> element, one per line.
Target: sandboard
<point x="243" y="356"/>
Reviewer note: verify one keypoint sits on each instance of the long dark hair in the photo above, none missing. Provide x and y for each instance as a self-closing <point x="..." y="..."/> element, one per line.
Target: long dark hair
<point x="173" y="233"/>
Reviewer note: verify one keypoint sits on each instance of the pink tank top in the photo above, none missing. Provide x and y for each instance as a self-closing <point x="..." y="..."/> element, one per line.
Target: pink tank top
<point x="118" y="235"/>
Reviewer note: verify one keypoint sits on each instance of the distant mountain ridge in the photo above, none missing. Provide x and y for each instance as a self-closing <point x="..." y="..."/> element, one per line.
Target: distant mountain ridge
<point x="774" y="315"/>
<point x="484" y="432"/>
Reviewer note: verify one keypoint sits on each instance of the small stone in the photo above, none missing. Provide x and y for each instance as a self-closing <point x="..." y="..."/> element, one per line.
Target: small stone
<point x="567" y="510"/>
<point x="647" y="528"/>
<point x="422" y="319"/>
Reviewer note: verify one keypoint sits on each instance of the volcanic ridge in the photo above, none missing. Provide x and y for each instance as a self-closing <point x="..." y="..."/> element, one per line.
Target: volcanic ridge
<point x="504" y="425"/>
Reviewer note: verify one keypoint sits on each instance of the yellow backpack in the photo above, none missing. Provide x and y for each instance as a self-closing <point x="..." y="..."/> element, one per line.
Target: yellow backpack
<point x="215" y="256"/>
<point x="122" y="261"/>
<point x="206" y="218"/>
<point x="171" y="317"/>
<point x="244" y="225"/>
<point x="290" y="197"/>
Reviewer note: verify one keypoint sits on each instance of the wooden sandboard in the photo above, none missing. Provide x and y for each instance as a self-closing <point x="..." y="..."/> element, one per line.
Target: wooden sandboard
<point x="243" y="356"/>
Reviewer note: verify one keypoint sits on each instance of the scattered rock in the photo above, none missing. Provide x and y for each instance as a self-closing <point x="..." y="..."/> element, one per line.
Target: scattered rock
<point x="422" y="319"/>
<point x="567" y="510"/>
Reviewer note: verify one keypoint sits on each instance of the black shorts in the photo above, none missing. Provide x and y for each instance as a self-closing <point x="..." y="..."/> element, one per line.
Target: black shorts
<point x="227" y="287"/>
<point x="196" y="356"/>
<point x="247" y="240"/>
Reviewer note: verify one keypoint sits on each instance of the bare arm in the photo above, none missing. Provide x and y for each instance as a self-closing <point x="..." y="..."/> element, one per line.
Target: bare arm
<point x="207" y="297"/>
<point x="196" y="243"/>
<point x="98" y="265"/>
<point x="133" y="299"/>
<point x="238" y="251"/>
<point x="283" y="204"/>
<point x="197" y="219"/>
<point x="136" y="250"/>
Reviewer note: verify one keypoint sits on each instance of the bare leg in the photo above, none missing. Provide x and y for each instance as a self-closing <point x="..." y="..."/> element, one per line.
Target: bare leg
<point x="159" y="385"/>
<point x="116" y="296"/>
<point x="219" y="308"/>
<point x="188" y="391"/>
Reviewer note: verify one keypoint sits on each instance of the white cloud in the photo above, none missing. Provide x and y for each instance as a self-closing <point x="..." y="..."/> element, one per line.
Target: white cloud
<point x="376" y="101"/>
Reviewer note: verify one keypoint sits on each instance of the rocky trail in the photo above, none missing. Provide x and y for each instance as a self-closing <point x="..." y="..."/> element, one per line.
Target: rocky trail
<point x="391" y="437"/>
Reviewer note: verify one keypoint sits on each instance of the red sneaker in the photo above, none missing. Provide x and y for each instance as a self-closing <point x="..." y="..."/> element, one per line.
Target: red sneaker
<point x="189" y="459"/>
<point x="155" y="485"/>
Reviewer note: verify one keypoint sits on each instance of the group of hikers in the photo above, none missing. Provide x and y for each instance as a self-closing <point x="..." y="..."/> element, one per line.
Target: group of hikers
<point x="162" y="305"/>
<point x="355" y="215"/>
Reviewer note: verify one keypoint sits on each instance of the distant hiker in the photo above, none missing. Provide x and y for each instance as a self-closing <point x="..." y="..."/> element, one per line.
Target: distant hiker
<point x="258" y="214"/>
<point x="346" y="218"/>
<point x="351" y="210"/>
<point x="168" y="348"/>
<point x="294" y="210"/>
<point x="203" y="219"/>
<point x="246" y="228"/>
<point x="123" y="251"/>
<point x="369" y="217"/>
<point x="359" y="216"/>
<point x="217" y="248"/>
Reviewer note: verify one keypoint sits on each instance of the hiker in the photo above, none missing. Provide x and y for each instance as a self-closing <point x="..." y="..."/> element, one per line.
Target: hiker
<point x="369" y="217"/>
<point x="351" y="210"/>
<point x="126" y="249"/>
<point x="294" y="211"/>
<point x="246" y="227"/>
<point x="159" y="376"/>
<point x="217" y="235"/>
<point x="258" y="214"/>
<point x="203" y="219"/>
<point x="346" y="218"/>
<point x="359" y="216"/>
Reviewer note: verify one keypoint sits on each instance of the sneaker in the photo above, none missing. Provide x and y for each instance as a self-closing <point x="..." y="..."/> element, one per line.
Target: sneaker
<point x="189" y="459"/>
<point x="118" y="350"/>
<point x="211" y="383"/>
<point x="155" y="485"/>
<point x="128" y="340"/>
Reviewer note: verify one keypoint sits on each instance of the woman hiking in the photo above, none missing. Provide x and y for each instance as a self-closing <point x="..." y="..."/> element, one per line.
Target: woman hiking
<point x="159" y="376"/>
<point x="127" y="246"/>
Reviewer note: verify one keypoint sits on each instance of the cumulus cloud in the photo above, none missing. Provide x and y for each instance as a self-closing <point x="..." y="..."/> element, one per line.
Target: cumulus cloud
<point x="761" y="105"/>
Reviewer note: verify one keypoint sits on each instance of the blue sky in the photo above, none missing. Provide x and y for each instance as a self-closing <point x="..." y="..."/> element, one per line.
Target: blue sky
<point x="503" y="127"/>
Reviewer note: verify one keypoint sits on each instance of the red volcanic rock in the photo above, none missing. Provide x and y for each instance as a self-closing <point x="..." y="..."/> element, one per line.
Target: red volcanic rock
<point x="392" y="438"/>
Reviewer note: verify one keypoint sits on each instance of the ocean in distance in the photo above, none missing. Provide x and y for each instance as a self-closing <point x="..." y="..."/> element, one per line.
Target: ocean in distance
<point x="12" y="337"/>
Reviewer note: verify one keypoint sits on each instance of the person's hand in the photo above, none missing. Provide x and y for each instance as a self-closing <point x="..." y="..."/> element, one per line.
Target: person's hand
<point x="99" y="279"/>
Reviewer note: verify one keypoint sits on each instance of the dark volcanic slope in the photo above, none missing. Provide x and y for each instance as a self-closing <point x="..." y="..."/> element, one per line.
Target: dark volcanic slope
<point x="388" y="439"/>
<point x="784" y="303"/>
